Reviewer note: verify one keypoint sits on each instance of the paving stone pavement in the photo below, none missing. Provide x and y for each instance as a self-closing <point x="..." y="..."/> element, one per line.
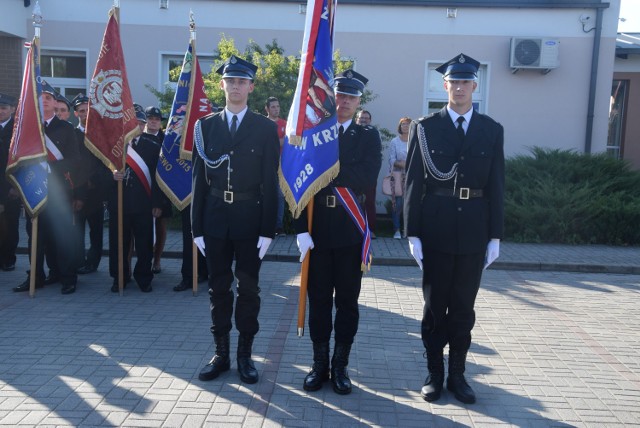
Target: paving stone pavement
<point x="549" y="349"/>
<point x="555" y="344"/>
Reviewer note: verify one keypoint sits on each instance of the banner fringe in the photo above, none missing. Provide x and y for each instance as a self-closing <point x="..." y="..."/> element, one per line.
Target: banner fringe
<point x="321" y="182"/>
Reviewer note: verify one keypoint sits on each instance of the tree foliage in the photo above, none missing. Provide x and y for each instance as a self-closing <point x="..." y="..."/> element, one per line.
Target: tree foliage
<point x="277" y="76"/>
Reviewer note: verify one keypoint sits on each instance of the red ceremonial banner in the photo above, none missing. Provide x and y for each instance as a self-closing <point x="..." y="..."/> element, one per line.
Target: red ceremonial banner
<point x="198" y="106"/>
<point x="111" y="122"/>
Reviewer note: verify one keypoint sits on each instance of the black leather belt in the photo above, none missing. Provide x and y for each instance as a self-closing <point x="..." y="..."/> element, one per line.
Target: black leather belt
<point x="231" y="197"/>
<point x="460" y="193"/>
<point x="329" y="201"/>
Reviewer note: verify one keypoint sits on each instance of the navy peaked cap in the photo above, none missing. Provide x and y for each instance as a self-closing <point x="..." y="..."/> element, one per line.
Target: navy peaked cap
<point x="462" y="67"/>
<point x="350" y="82"/>
<point x="237" y="67"/>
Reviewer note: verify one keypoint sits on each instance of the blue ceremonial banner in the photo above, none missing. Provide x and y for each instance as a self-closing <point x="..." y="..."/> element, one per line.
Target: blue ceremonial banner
<point x="32" y="180"/>
<point x="189" y="104"/>
<point x="27" y="166"/>
<point x="309" y="159"/>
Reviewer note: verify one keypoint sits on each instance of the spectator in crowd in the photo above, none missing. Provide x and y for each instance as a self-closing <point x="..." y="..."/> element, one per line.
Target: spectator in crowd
<point x="397" y="160"/>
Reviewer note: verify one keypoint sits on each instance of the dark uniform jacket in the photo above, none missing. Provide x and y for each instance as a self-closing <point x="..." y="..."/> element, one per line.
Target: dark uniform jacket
<point x="5" y="141"/>
<point x="165" y="202"/>
<point x="254" y="154"/>
<point x="135" y="198"/>
<point x="360" y="160"/>
<point x="95" y="178"/>
<point x="447" y="224"/>
<point x="64" y="179"/>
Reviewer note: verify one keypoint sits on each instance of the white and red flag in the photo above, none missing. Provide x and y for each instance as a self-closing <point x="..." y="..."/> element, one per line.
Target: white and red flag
<point x="111" y="122"/>
<point x="27" y="163"/>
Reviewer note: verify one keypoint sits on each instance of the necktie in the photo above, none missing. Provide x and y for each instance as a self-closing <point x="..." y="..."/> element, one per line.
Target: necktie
<point x="460" y="128"/>
<point x="234" y="126"/>
<point x="341" y="131"/>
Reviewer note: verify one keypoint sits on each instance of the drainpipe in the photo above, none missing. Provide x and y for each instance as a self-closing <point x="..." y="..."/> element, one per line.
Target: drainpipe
<point x="595" y="55"/>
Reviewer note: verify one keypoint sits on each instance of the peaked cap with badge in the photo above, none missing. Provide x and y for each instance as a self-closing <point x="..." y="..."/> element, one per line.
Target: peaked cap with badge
<point x="78" y="100"/>
<point x="140" y="116"/>
<point x="350" y="82"/>
<point x="48" y="89"/>
<point x="62" y="98"/>
<point x="237" y="67"/>
<point x="153" y="111"/>
<point x="461" y="67"/>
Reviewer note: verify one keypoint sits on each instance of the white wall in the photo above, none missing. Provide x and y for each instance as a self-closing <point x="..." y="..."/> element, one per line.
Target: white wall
<point x="391" y="46"/>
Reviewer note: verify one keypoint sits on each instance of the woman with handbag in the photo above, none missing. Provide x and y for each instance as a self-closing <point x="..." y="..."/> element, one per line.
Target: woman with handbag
<point x="397" y="159"/>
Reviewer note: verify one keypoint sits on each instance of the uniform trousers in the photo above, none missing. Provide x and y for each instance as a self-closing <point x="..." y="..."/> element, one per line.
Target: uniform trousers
<point x="449" y="286"/>
<point x="138" y="226"/>
<point x="187" y="249"/>
<point x="334" y="270"/>
<point x="220" y="255"/>
<point x="92" y="215"/>
<point x="57" y="237"/>
<point x="370" y="207"/>
<point x="9" y="232"/>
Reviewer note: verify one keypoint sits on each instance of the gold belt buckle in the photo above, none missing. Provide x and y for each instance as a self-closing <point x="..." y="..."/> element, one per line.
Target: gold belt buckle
<point x="228" y="197"/>
<point x="464" y="193"/>
<point x="331" y="201"/>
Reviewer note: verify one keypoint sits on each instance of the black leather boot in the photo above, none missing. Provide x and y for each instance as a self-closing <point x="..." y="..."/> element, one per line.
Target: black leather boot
<point x="339" y="362"/>
<point x="320" y="371"/>
<point x="456" y="382"/>
<point x="220" y="361"/>
<point x="247" y="370"/>
<point x="435" y="379"/>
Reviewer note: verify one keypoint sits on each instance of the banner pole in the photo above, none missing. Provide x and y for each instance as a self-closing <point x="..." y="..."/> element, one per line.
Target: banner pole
<point x="120" y="241"/>
<point x="304" y="275"/>
<point x="194" y="248"/>
<point x="32" y="262"/>
<point x="37" y="24"/>
<point x="194" y="266"/>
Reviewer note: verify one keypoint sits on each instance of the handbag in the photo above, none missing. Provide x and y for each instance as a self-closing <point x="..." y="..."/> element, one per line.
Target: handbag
<point x="393" y="184"/>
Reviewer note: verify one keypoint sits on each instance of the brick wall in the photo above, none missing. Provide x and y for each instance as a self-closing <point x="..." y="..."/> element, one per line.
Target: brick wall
<point x="11" y="65"/>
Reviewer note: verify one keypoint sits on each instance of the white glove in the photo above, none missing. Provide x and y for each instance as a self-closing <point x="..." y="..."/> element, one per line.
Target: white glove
<point x="199" y="241"/>
<point x="415" y="248"/>
<point x="263" y="245"/>
<point x="305" y="243"/>
<point x="493" y="252"/>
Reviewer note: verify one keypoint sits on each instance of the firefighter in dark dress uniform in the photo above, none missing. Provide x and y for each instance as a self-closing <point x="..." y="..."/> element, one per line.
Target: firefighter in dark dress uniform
<point x="454" y="220"/>
<point x="9" y="200"/>
<point x="56" y="234"/>
<point x="335" y="264"/>
<point x="97" y="179"/>
<point x="233" y="212"/>
<point x="141" y="203"/>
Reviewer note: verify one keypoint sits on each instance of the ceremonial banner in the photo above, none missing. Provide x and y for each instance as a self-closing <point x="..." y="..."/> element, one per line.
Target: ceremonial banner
<point x="309" y="159"/>
<point x="27" y="165"/>
<point x="190" y="103"/>
<point x="111" y="122"/>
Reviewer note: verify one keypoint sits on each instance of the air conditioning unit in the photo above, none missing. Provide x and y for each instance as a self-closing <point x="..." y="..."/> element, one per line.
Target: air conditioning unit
<point x="537" y="53"/>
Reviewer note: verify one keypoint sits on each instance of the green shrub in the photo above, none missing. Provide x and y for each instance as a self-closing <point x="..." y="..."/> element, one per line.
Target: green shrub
<point x="560" y="196"/>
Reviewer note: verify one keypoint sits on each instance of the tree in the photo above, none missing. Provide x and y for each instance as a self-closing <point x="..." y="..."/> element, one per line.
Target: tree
<point x="277" y="76"/>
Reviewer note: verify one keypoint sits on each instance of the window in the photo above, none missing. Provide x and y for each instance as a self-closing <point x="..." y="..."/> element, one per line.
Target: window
<point x="63" y="65"/>
<point x="436" y="97"/>
<point x="617" y="111"/>
<point x="172" y="61"/>
<point x="66" y="71"/>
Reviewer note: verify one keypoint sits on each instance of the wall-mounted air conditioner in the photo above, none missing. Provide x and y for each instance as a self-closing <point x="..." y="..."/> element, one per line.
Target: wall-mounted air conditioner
<point x="534" y="53"/>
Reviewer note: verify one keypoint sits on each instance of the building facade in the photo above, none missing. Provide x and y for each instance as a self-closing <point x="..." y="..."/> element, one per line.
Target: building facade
<point x="556" y="96"/>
